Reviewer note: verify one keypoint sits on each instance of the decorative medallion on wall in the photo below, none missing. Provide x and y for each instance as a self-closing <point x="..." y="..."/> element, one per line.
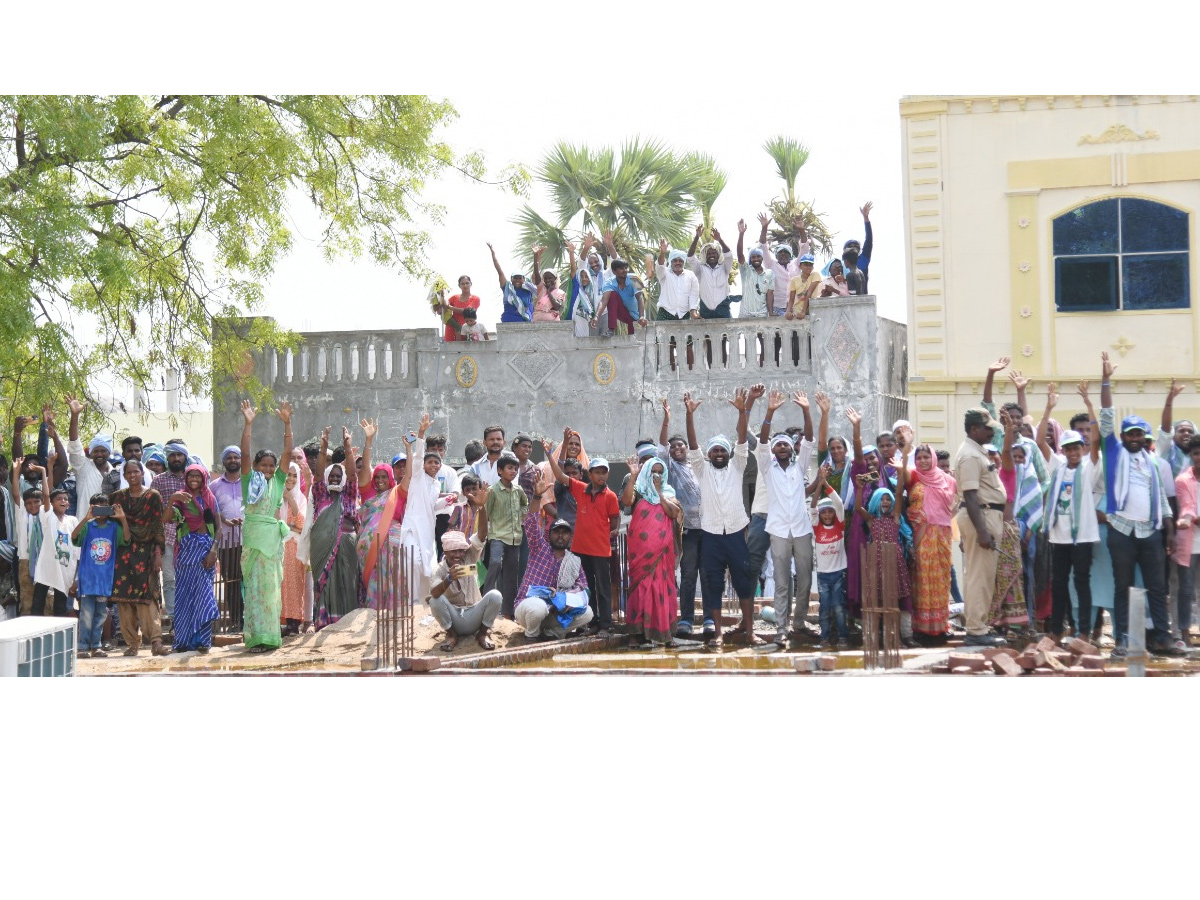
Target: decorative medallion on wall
<point x="1026" y="312"/>
<point x="535" y="362"/>
<point x="1027" y="350"/>
<point x="466" y="371"/>
<point x="1122" y="345"/>
<point x="1118" y="134"/>
<point x="604" y="368"/>
<point x="844" y="347"/>
<point x="1024" y="267"/>
<point x="1023" y="222"/>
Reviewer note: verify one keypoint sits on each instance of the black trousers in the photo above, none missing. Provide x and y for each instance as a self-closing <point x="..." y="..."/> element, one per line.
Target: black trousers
<point x="58" y="603"/>
<point x="1065" y="558"/>
<point x="503" y="574"/>
<point x="599" y="579"/>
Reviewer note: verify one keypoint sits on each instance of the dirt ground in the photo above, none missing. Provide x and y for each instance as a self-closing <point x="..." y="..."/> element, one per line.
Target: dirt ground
<point x="340" y="647"/>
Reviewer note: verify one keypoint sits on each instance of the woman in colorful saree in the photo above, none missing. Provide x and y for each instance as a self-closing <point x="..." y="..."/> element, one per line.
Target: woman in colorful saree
<point x="263" y="535"/>
<point x="931" y="505"/>
<point x="194" y="511"/>
<point x="651" y="554"/>
<point x="334" y="535"/>
<point x="379" y="522"/>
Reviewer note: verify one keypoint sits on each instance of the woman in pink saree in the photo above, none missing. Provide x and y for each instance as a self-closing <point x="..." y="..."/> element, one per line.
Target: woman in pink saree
<point x="652" y="598"/>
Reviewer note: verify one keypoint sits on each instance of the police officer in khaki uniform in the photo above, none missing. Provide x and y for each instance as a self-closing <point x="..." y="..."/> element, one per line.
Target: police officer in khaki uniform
<point x="980" y="520"/>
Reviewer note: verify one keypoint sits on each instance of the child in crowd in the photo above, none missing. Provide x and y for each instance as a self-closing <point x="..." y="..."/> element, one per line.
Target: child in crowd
<point x="54" y="572"/>
<point x="502" y="527"/>
<point x="829" y="543"/>
<point x="28" y="531"/>
<point x="102" y="530"/>
<point x="472" y="329"/>
<point x="887" y="526"/>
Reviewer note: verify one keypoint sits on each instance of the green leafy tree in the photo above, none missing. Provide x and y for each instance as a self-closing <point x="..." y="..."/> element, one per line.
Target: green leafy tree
<point x="642" y="194"/>
<point x="788" y="212"/>
<point x="134" y="230"/>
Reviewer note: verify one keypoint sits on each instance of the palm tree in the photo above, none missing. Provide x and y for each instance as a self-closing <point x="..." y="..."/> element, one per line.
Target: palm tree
<point x="642" y="194"/>
<point x="790" y="156"/>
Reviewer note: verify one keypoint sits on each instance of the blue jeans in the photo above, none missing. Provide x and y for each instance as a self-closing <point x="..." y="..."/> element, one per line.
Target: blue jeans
<point x="831" y="588"/>
<point x="1146" y="554"/>
<point x="758" y="542"/>
<point x="1028" y="552"/>
<point x="92" y="613"/>
<point x="689" y="571"/>
<point x="1186" y="594"/>
<point x="955" y="593"/>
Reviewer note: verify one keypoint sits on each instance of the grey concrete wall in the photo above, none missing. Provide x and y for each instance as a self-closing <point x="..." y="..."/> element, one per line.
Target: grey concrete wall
<point x="541" y="378"/>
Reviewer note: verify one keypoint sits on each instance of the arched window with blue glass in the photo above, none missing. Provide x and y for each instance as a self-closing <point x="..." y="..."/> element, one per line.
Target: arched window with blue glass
<point x="1121" y="253"/>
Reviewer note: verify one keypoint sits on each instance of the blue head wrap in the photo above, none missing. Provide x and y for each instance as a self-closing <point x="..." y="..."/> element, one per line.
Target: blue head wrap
<point x="155" y="455"/>
<point x="646" y="450"/>
<point x="869" y="448"/>
<point x="645" y="483"/>
<point x="101" y="440"/>
<point x="781" y="248"/>
<point x="674" y="255"/>
<point x="176" y="447"/>
<point x="875" y="504"/>
<point x="754" y="252"/>
<point x="232" y="448"/>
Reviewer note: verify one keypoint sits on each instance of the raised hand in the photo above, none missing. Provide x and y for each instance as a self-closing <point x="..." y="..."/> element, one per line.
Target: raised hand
<point x="865" y="209"/>
<point x="608" y="239"/>
<point x="285" y="413"/>
<point x="1082" y="390"/>
<point x="544" y="480"/>
<point x="666" y="407"/>
<point x="635" y="466"/>
<point x="1175" y="389"/>
<point x="739" y="399"/>
<point x="823" y="402"/>
<point x="854" y="416"/>
<point x="700" y="229"/>
<point x="588" y="241"/>
<point x="1019" y="381"/>
<point x="1000" y="364"/>
<point x="571" y="247"/>
<point x="756" y="391"/>
<point x="1051" y="395"/>
<point x="775" y="400"/>
<point x="119" y="514"/>
<point x="346" y="436"/>
<point x="76" y="405"/>
<point x="24" y="422"/>
<point x="325" y="434"/>
<point x="764" y="220"/>
<point x="716" y="234"/>
<point x="247" y="411"/>
<point x="741" y="226"/>
<point x="48" y="411"/>
<point x="426" y="421"/>
<point x="370" y="428"/>
<point x="689" y="404"/>
<point x="1109" y="368"/>
<point x="800" y="399"/>
<point x="547" y="447"/>
<point x="663" y="246"/>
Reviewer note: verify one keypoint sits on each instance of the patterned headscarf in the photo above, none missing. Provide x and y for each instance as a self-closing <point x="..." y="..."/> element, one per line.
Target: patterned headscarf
<point x="645" y="483"/>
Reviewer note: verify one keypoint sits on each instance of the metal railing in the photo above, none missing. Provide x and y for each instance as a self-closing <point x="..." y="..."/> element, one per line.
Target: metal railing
<point x="228" y="586"/>
<point x="394" y="628"/>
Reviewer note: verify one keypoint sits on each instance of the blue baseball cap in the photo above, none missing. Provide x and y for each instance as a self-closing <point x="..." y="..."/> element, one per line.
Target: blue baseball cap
<point x="399" y="457"/>
<point x="1135" y="423"/>
<point x="806" y="258"/>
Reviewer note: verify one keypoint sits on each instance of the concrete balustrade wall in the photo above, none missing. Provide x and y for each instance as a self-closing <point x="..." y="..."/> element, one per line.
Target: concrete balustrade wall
<point x="541" y="378"/>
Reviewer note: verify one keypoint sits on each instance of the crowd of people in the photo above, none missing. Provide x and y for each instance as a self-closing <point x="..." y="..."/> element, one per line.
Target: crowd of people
<point x="602" y="292"/>
<point x="132" y="544"/>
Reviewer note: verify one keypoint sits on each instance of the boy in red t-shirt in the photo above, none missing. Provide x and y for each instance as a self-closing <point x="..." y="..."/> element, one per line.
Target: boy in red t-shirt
<point x="597" y="518"/>
<point x="829" y="546"/>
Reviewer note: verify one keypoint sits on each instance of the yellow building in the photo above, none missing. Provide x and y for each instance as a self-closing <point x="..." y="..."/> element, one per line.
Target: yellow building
<point x="1048" y="229"/>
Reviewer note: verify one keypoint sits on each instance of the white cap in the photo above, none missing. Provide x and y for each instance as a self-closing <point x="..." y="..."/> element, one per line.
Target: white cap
<point x="1070" y="437"/>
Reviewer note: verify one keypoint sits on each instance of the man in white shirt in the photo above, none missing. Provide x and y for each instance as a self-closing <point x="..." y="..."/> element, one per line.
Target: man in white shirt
<point x="780" y="262"/>
<point x="789" y="523"/>
<point x="679" y="290"/>
<point x="712" y="267"/>
<point x="91" y="468"/>
<point x="723" y="518"/>
<point x="493" y="442"/>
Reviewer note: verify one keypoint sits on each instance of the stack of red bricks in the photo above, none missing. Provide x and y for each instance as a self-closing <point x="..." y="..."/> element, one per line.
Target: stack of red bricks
<point x="1079" y="657"/>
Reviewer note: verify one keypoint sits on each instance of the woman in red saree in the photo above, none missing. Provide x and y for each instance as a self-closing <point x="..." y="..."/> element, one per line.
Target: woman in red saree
<point x="650" y="607"/>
